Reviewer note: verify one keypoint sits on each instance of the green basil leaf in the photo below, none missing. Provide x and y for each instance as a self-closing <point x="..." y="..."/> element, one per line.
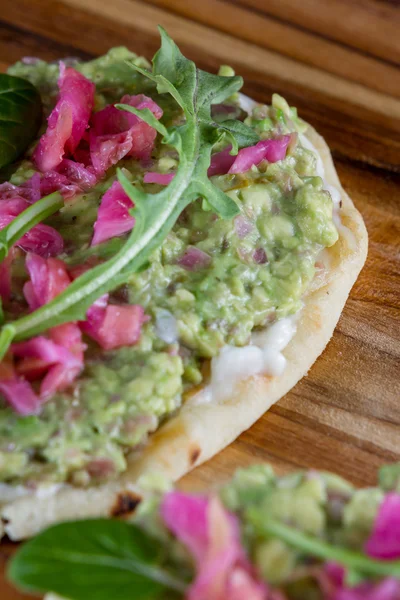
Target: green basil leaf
<point x="98" y="559"/>
<point x="34" y="214"/>
<point x="20" y="116"/>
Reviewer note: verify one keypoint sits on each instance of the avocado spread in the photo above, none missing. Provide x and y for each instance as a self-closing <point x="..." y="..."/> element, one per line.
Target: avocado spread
<point x="307" y="535"/>
<point x="259" y="265"/>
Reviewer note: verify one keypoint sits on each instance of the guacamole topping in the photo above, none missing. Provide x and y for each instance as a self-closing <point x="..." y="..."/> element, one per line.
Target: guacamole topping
<point x="209" y="283"/>
<point x="302" y="536"/>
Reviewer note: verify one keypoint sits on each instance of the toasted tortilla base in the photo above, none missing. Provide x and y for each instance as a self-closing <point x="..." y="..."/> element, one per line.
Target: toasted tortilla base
<point x="199" y="431"/>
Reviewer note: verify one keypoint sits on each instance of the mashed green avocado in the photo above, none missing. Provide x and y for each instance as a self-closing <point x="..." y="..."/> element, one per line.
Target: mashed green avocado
<point x="251" y="280"/>
<point x="316" y="509"/>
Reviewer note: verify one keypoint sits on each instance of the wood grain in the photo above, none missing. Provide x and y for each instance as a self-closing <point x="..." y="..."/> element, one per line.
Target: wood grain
<point x="338" y="62"/>
<point x="368" y="25"/>
<point x="262" y="28"/>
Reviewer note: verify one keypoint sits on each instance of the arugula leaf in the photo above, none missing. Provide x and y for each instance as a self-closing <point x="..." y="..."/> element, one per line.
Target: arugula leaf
<point x="146" y="115"/>
<point x="238" y="134"/>
<point x="99" y="559"/>
<point x="155" y="214"/>
<point x="30" y="217"/>
<point x="20" y="116"/>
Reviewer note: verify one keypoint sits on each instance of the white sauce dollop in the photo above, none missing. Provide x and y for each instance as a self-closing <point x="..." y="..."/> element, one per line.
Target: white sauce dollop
<point x="262" y="356"/>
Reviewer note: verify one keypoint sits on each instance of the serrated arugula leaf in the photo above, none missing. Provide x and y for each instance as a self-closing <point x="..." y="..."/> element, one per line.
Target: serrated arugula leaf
<point x="214" y="89"/>
<point x="170" y="64"/>
<point x="155" y="214"/>
<point x="147" y="116"/>
<point x="238" y="134"/>
<point x="194" y="90"/>
<point x="98" y="559"/>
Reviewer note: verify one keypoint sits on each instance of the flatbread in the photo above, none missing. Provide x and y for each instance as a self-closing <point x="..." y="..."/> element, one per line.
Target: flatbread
<point x="201" y="430"/>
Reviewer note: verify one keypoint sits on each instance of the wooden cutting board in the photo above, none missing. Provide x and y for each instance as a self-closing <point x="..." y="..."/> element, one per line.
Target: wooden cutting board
<point x="338" y="62"/>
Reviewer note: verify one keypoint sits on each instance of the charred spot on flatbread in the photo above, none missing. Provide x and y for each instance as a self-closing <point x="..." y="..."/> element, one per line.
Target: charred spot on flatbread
<point x="125" y="504"/>
<point x="194" y="454"/>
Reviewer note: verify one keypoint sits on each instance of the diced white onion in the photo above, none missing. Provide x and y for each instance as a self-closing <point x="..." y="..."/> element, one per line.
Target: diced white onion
<point x="166" y="326"/>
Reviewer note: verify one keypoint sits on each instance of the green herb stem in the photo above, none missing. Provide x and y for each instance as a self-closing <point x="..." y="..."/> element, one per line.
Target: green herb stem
<point x="7" y="334"/>
<point x="34" y="214"/>
<point x="354" y="561"/>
